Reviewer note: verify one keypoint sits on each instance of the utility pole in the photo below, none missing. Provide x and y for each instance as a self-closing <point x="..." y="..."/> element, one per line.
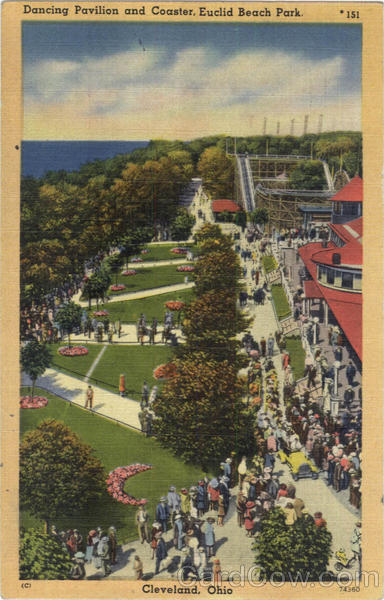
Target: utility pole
<point x="265" y="126"/>
<point x="278" y="128"/>
<point x="305" y="124"/>
<point x="292" y="126"/>
<point x="320" y="124"/>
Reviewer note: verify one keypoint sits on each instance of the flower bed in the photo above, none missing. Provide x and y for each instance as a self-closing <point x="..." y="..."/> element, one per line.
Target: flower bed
<point x="187" y="268"/>
<point x="101" y="313"/>
<point x="35" y="402"/>
<point x="145" y="251"/>
<point x="117" y="287"/>
<point x="137" y="259"/>
<point x="166" y="371"/>
<point x="179" y="250"/>
<point x="116" y="481"/>
<point x="73" y="350"/>
<point x="175" y="305"/>
<point x="129" y="272"/>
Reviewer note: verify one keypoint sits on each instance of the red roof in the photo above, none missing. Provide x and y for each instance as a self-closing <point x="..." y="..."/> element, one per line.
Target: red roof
<point x="224" y="205"/>
<point x="311" y="289"/>
<point x="346" y="306"/>
<point x="349" y="231"/>
<point x="351" y="254"/>
<point x="352" y="192"/>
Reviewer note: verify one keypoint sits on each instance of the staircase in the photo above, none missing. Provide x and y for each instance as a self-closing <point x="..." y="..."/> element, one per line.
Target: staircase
<point x="289" y="326"/>
<point x="316" y="393"/>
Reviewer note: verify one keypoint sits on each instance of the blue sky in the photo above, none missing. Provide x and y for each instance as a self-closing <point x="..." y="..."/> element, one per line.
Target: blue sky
<point x="94" y="81"/>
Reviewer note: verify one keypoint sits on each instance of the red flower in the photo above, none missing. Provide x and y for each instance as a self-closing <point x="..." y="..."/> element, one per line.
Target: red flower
<point x="118" y="287"/>
<point x="187" y="268"/>
<point x="100" y="313"/>
<point x="179" y="250"/>
<point x="35" y="402"/>
<point x="73" y="351"/>
<point x="129" y="272"/>
<point x="175" y="305"/>
<point x="166" y="371"/>
<point x="118" y="478"/>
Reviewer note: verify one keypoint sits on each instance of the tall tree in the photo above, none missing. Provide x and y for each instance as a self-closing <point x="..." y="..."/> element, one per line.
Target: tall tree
<point x="35" y="358"/>
<point x="59" y="474"/>
<point x="181" y="225"/>
<point x="200" y="413"/>
<point x="69" y="318"/>
<point x="217" y="171"/>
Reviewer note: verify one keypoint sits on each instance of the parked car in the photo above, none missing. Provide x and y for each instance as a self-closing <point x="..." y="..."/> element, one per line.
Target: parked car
<point x="300" y="466"/>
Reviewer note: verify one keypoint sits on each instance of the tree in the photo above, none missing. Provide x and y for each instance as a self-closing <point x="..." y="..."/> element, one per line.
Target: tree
<point x="291" y="549"/>
<point x="182" y="224"/>
<point x="219" y="270"/>
<point x="35" y="359"/>
<point x="69" y="318"/>
<point x="217" y="172"/>
<point x="59" y="474"/>
<point x="42" y="557"/>
<point x="308" y="175"/>
<point x="114" y="263"/>
<point x="200" y="412"/>
<point x="133" y="242"/>
<point x="211" y="323"/>
<point x="259" y="216"/>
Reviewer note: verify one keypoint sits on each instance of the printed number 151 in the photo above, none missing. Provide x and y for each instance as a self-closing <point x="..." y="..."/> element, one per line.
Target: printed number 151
<point x="353" y="14"/>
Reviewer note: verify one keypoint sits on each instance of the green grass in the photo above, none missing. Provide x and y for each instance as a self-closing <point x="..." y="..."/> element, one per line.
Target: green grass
<point x="136" y="362"/>
<point x="297" y="354"/>
<point x="162" y="252"/>
<point x="115" y="445"/>
<point x="153" y="306"/>
<point x="269" y="263"/>
<point x="80" y="364"/>
<point x="280" y="301"/>
<point x="150" y="277"/>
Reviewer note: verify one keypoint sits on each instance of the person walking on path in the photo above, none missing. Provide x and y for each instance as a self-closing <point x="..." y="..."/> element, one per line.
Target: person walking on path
<point x="161" y="552"/>
<point x="270" y="345"/>
<point x="350" y="373"/>
<point x="162" y="513"/>
<point x="263" y="345"/>
<point x="142" y="519"/>
<point x="145" y="393"/>
<point x="178" y="533"/>
<point x="112" y="544"/>
<point x="138" y="567"/>
<point x="104" y="552"/>
<point x="174" y="502"/>
<point x="90" y="394"/>
<point x="209" y="536"/>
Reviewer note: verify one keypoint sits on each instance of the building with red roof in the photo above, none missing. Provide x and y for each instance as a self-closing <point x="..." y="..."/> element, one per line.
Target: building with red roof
<point x="347" y="204"/>
<point x="335" y="268"/>
<point x="224" y="206"/>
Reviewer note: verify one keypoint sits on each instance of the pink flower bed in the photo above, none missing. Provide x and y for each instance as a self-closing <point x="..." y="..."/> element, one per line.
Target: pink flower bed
<point x="145" y="251"/>
<point x="179" y="250"/>
<point x="136" y="260"/>
<point x="73" y="351"/>
<point x="187" y="268"/>
<point x="130" y="272"/>
<point x="100" y="313"/>
<point x="117" y="288"/>
<point x="116" y="481"/>
<point x="35" y="402"/>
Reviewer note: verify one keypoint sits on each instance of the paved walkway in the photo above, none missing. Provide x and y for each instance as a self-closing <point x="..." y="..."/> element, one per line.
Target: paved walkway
<point x="157" y="263"/>
<point x="128" y="336"/>
<point x="106" y="404"/>
<point x="137" y="295"/>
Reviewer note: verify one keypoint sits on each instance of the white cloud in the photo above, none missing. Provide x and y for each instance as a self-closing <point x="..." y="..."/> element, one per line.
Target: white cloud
<point x="196" y="92"/>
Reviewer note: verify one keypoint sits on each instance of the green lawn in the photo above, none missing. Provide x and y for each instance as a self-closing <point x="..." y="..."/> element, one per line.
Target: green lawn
<point x="150" y="277"/>
<point x="136" y="362"/>
<point x="163" y="251"/>
<point x="115" y="445"/>
<point x="269" y="263"/>
<point x="280" y="301"/>
<point x="297" y="354"/>
<point x="153" y="306"/>
<point x="79" y="364"/>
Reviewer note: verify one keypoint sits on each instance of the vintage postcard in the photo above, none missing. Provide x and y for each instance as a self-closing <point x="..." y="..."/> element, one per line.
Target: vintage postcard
<point x="192" y="272"/>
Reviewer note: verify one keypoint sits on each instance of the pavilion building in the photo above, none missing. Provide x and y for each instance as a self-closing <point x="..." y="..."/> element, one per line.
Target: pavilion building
<point x="333" y="289"/>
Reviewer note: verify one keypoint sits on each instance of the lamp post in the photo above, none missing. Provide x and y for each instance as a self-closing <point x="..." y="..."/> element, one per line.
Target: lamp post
<point x="336" y="367"/>
<point x="315" y="322"/>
